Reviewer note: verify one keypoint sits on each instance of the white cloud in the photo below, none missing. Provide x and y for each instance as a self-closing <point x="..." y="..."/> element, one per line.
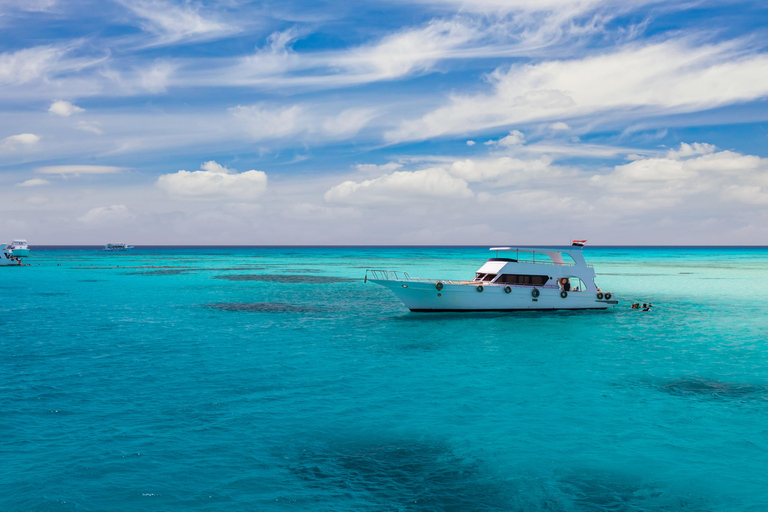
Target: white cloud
<point x="34" y="182"/>
<point x="79" y="169"/>
<point x="92" y="126"/>
<point x="515" y="138"/>
<point x="20" y="140"/>
<point x="378" y="169"/>
<point x="559" y="126"/>
<point x="687" y="150"/>
<point x="566" y="8"/>
<point x="175" y="22"/>
<point x="668" y="77"/>
<point x="409" y="51"/>
<point x="400" y="186"/>
<point x="106" y="214"/>
<point x="27" y="5"/>
<point x="506" y="171"/>
<point x="263" y="122"/>
<point x="213" y="182"/>
<point x="64" y="108"/>
<point x="348" y="122"/>
<point x="695" y="175"/>
<point x="26" y="65"/>
<point x="470" y="143"/>
<point x="156" y="78"/>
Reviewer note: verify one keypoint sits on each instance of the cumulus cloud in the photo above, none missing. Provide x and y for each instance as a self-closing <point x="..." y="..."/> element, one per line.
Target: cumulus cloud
<point x="64" y="108"/>
<point x="470" y="143"/>
<point x="400" y="186"/>
<point x="515" y="138"/>
<point x="215" y="182"/>
<point x="79" y="169"/>
<point x="694" y="173"/>
<point x="669" y="77"/>
<point x="20" y="140"/>
<point x="687" y="150"/>
<point x="34" y="182"/>
<point x="559" y="126"/>
<point x="106" y="214"/>
<point x="506" y="171"/>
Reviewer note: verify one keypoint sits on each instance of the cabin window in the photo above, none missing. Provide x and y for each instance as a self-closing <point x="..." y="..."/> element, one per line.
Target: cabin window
<point x="484" y="277"/>
<point x="522" y="279"/>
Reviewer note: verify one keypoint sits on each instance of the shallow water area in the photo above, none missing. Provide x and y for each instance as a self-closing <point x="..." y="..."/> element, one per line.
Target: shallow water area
<point x="276" y="379"/>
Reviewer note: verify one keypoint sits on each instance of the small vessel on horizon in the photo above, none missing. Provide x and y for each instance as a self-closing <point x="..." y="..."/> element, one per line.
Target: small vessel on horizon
<point x="117" y="247"/>
<point x="18" y="248"/>
<point x="7" y="259"/>
<point x="530" y="279"/>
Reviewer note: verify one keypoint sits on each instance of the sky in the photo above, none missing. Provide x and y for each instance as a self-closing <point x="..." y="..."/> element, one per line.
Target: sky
<point x="419" y="122"/>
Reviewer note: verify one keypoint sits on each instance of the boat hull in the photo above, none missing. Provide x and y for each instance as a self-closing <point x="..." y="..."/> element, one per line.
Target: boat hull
<point x="20" y="253"/>
<point x="425" y="297"/>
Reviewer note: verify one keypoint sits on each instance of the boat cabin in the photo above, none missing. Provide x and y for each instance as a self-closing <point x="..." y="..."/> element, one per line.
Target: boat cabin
<point x="539" y="267"/>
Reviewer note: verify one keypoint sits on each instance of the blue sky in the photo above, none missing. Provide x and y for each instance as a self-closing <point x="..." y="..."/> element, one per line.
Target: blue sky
<point x="393" y="122"/>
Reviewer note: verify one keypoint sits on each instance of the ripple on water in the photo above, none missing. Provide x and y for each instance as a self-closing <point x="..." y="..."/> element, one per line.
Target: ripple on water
<point x="286" y="278"/>
<point x="166" y="272"/>
<point x="265" y="307"/>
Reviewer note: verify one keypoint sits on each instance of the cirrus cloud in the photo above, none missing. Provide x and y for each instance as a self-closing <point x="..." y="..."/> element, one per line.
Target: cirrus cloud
<point x="79" y="169"/>
<point x="673" y="76"/>
<point x="34" y="182"/>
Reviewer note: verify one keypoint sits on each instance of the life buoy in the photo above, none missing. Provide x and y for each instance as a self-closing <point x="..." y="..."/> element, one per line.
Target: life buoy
<point x="599" y="295"/>
<point x="439" y="286"/>
<point x="535" y="292"/>
<point x="607" y="296"/>
<point x="479" y="288"/>
<point x="563" y="294"/>
<point x="507" y="289"/>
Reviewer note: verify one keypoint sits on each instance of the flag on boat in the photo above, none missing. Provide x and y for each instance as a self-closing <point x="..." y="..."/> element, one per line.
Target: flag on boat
<point x="578" y="243"/>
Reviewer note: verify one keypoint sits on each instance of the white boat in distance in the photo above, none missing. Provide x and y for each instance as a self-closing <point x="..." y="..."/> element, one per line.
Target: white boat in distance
<point x="18" y="248"/>
<point x="529" y="279"/>
<point x="117" y="247"/>
<point x="7" y="259"/>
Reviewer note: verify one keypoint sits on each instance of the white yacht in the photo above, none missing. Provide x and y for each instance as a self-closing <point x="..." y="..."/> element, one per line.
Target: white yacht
<point x="19" y="248"/>
<point x="117" y="247"/>
<point x="526" y="279"/>
<point x="7" y="258"/>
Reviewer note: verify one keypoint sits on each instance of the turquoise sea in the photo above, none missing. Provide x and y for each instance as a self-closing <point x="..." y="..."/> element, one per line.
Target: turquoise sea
<point x="261" y="379"/>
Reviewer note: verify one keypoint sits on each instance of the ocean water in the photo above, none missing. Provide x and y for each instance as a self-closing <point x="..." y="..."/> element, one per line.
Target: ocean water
<point x="265" y="379"/>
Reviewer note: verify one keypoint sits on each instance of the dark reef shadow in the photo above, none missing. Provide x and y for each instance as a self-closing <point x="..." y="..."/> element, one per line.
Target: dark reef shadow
<point x="700" y="387"/>
<point x="401" y="475"/>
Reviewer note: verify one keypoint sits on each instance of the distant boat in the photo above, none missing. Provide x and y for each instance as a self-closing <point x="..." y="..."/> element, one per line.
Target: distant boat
<point x="117" y="247"/>
<point x="18" y="248"/>
<point x="7" y="259"/>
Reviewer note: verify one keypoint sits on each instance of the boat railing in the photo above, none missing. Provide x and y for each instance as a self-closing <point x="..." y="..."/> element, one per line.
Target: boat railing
<point x="399" y="275"/>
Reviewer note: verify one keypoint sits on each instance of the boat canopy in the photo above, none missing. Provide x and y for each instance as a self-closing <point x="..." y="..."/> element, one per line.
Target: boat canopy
<point x="555" y="254"/>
